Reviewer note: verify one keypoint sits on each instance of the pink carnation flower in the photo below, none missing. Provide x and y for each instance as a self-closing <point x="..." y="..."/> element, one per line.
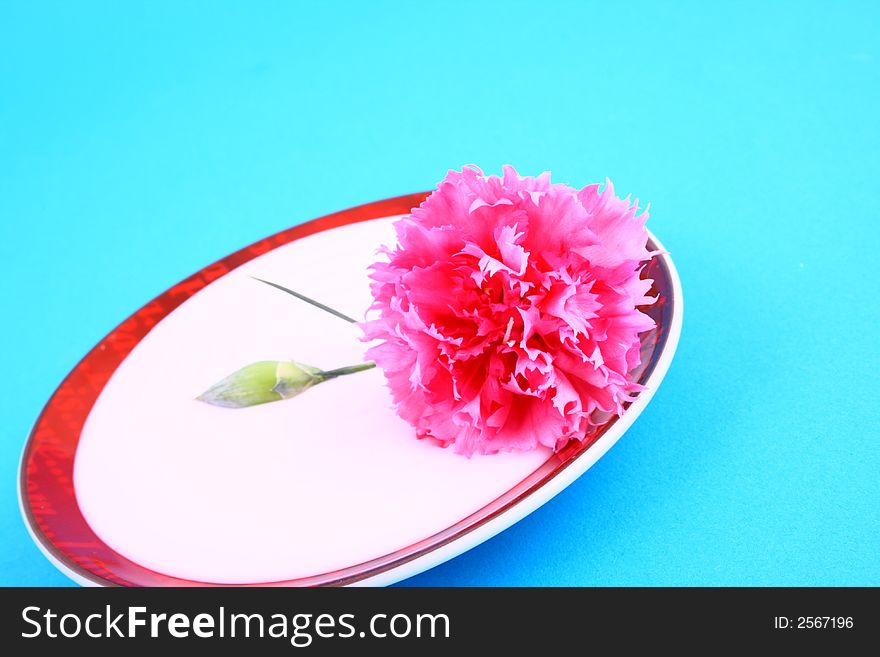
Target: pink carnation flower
<point x="507" y="314"/>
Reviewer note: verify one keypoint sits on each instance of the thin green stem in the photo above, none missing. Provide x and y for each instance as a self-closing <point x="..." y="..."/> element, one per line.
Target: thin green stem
<point x="342" y="371"/>
<point x="302" y="297"/>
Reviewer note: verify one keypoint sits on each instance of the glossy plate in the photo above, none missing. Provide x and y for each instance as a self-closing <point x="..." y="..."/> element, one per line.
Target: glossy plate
<point x="126" y="480"/>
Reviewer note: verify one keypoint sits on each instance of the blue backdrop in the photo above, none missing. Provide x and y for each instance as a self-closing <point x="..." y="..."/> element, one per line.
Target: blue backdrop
<point x="139" y="142"/>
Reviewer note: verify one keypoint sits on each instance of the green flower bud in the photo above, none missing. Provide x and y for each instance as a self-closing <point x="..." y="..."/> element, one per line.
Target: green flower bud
<point x="262" y="382"/>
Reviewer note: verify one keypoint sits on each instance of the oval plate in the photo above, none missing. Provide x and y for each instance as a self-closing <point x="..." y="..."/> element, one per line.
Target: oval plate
<point x="125" y="480"/>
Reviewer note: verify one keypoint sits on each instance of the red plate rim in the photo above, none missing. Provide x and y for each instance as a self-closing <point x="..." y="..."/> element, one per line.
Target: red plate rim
<point x="46" y="491"/>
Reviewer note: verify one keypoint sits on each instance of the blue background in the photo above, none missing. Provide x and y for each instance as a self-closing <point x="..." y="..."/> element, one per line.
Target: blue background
<point x="139" y="142"/>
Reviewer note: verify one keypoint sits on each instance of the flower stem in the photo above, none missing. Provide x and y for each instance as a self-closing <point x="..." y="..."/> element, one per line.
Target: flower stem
<point x="303" y="297"/>
<point x="342" y="371"/>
